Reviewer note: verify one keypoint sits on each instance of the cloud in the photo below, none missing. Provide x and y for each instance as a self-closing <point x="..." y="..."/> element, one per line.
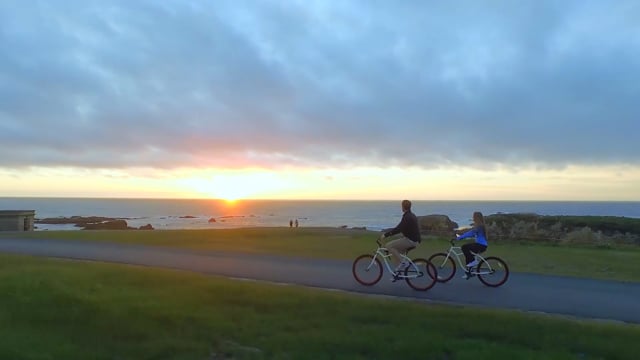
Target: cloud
<point x="318" y="84"/>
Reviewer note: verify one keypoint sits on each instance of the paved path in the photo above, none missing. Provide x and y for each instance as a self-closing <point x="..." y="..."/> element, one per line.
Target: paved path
<point x="584" y="298"/>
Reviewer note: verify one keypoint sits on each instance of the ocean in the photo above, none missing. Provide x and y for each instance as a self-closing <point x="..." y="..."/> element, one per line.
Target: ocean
<point x="165" y="214"/>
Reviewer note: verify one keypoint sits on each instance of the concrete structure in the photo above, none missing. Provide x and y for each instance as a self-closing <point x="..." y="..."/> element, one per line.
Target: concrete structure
<point x="17" y="220"/>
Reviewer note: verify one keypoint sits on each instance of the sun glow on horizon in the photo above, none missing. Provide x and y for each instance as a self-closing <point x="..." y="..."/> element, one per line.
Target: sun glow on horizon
<point x="232" y="186"/>
<point x="606" y="183"/>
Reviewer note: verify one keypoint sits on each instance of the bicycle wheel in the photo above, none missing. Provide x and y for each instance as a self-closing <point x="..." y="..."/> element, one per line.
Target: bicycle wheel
<point x="493" y="271"/>
<point x="424" y="277"/>
<point x="445" y="265"/>
<point x="366" y="269"/>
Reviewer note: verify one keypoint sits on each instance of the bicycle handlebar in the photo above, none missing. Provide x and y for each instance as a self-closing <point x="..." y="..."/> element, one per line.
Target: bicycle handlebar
<point x="378" y="242"/>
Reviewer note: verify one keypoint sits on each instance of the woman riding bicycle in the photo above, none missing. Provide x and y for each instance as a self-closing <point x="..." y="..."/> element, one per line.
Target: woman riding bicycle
<point x="479" y="232"/>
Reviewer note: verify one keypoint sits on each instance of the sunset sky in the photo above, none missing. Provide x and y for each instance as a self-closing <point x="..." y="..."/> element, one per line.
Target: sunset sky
<point x="465" y="100"/>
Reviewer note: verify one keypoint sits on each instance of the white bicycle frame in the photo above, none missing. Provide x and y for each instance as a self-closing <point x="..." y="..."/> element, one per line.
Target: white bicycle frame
<point x="457" y="251"/>
<point x="384" y="253"/>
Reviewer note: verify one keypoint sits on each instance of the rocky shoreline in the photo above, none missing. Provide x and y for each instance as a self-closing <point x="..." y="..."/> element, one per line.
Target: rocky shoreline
<point x="94" y="223"/>
<point x="519" y="227"/>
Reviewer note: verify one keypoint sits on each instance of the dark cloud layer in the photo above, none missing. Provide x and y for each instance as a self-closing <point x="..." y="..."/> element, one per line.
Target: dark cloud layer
<point x="214" y="83"/>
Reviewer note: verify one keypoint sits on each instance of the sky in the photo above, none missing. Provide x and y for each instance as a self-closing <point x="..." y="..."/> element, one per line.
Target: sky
<point x="464" y="100"/>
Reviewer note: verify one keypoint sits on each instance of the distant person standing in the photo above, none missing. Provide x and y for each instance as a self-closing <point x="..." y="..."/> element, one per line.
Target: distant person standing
<point x="290" y="223"/>
<point x="296" y="222"/>
<point x="410" y="230"/>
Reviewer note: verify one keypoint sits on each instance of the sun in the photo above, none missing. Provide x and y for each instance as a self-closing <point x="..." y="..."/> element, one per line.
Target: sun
<point x="234" y="186"/>
<point x="230" y="200"/>
<point x="223" y="189"/>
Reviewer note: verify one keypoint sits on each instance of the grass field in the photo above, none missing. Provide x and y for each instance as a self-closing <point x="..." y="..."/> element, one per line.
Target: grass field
<point x="56" y="309"/>
<point x="617" y="263"/>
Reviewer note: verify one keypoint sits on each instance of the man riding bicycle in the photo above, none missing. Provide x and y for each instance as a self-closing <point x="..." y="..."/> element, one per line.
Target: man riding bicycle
<point x="410" y="229"/>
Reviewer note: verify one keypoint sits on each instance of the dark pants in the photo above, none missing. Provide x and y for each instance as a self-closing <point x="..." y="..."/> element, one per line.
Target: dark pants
<point x="468" y="248"/>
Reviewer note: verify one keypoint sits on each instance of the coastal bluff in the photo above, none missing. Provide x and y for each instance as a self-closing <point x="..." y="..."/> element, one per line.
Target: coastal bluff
<point x="594" y="230"/>
<point x="598" y="230"/>
<point x="436" y="225"/>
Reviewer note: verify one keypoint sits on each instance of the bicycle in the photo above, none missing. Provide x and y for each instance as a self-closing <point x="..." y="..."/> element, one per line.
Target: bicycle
<point x="420" y="274"/>
<point x="491" y="271"/>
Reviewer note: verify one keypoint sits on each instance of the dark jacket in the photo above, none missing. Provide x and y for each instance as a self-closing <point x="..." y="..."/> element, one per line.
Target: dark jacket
<point x="408" y="226"/>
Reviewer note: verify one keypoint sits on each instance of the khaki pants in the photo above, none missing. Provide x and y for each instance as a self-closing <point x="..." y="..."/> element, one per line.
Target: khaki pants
<point x="399" y="246"/>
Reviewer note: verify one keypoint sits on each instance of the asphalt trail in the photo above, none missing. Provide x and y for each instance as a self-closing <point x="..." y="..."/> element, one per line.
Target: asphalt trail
<point x="584" y="298"/>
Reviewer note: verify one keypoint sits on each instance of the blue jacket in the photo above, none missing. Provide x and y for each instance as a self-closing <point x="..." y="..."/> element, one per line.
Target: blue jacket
<point x="478" y="232"/>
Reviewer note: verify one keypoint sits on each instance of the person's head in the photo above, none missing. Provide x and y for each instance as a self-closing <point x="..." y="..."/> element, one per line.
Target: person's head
<point x="406" y="205"/>
<point x="478" y="219"/>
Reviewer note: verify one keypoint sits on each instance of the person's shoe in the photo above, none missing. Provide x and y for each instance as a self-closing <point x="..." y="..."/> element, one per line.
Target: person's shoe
<point x="399" y="269"/>
<point x="467" y="275"/>
<point x="473" y="263"/>
<point x="403" y="265"/>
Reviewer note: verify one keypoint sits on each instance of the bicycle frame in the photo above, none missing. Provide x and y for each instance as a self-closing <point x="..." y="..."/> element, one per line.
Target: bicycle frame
<point x="384" y="253"/>
<point x="420" y="274"/>
<point x="457" y="252"/>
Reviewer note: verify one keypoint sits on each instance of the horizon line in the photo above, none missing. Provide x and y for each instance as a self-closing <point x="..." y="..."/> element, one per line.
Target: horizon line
<point x="300" y="199"/>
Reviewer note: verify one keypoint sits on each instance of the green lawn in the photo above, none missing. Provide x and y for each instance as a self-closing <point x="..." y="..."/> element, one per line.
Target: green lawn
<point x="601" y="263"/>
<point x="57" y="309"/>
